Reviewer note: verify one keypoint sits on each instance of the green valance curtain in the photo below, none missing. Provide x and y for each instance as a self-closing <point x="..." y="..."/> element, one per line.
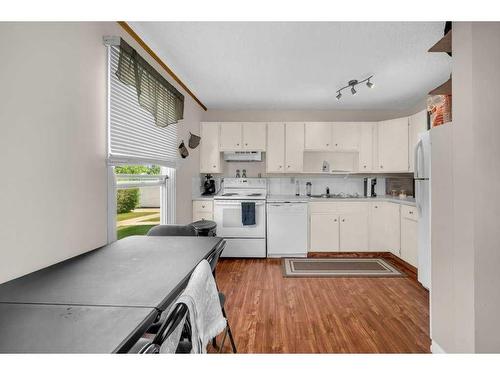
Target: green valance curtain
<point x="155" y="93"/>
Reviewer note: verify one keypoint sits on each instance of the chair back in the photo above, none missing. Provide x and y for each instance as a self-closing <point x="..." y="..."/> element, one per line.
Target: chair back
<point x="213" y="259"/>
<point x="172" y="230"/>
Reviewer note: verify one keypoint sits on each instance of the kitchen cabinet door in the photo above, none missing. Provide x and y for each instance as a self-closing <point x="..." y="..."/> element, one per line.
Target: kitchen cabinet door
<point x="202" y="210"/>
<point x="409" y="235"/>
<point x="254" y="136"/>
<point x="345" y="136"/>
<point x="209" y="148"/>
<point x="417" y="124"/>
<point x="318" y="136"/>
<point x="384" y="227"/>
<point x="230" y="137"/>
<point x="393" y="145"/>
<point x="365" y="161"/>
<point x="275" y="152"/>
<point x="409" y="250"/>
<point x="324" y="232"/>
<point x="354" y="231"/>
<point x="294" y="149"/>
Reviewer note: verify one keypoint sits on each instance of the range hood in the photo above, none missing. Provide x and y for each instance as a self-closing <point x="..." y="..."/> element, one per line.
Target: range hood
<point x="243" y="156"/>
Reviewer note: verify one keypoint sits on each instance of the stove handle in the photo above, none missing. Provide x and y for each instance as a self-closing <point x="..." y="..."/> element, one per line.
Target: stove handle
<point x="236" y="203"/>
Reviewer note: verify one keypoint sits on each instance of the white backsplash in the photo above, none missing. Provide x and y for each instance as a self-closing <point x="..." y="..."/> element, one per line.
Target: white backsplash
<point x="337" y="184"/>
<point x="286" y="185"/>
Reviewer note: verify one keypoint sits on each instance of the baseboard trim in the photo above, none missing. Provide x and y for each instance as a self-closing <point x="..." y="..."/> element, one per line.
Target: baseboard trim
<point x="436" y="348"/>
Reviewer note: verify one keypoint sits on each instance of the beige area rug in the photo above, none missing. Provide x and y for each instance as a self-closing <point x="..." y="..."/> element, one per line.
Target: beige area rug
<point x="339" y="267"/>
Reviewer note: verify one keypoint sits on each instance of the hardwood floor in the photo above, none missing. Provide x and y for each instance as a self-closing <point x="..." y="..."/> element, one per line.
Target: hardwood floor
<point x="272" y="314"/>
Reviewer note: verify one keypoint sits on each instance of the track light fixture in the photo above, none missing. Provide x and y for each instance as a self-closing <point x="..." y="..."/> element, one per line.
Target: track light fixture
<point x="352" y="84"/>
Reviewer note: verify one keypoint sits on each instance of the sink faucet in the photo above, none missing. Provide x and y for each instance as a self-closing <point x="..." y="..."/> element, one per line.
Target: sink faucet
<point x="327" y="190"/>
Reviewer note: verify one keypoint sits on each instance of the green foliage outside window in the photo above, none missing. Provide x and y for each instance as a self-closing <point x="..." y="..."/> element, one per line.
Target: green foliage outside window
<point x="138" y="169"/>
<point x="126" y="200"/>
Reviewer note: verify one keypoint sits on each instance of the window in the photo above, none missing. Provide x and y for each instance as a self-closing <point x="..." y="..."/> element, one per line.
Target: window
<point x="142" y="158"/>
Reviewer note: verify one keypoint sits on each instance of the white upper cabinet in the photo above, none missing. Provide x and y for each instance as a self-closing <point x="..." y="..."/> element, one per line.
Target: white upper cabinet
<point x="345" y="136"/>
<point x="294" y="149"/>
<point x="393" y="145"/>
<point x="249" y="136"/>
<point x="254" y="136"/>
<point x="275" y="155"/>
<point x="366" y="147"/>
<point x="417" y="125"/>
<point x="318" y="136"/>
<point x="230" y="137"/>
<point x="209" y="148"/>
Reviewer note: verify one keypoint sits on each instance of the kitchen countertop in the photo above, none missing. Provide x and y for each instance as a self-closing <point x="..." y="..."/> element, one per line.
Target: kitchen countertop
<point x="409" y="201"/>
<point x="199" y="197"/>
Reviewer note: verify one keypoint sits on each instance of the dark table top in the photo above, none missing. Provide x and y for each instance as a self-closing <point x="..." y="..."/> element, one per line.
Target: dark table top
<point x="137" y="271"/>
<point x="28" y="328"/>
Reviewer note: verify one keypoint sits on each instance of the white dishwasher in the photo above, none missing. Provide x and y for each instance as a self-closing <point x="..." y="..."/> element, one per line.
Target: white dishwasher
<point x="287" y="227"/>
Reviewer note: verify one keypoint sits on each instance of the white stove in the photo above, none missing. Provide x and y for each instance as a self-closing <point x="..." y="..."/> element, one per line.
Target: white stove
<point x="243" y="241"/>
<point x="243" y="188"/>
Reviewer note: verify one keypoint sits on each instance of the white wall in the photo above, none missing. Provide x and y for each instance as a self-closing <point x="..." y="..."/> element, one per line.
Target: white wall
<point x="52" y="144"/>
<point x="485" y="98"/>
<point x="469" y="321"/>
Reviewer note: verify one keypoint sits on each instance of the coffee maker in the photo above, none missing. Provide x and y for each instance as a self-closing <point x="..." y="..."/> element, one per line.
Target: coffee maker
<point x="208" y="185"/>
<point x="369" y="187"/>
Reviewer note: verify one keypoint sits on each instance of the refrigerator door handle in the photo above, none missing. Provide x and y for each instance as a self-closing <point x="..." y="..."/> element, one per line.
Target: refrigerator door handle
<point x="416" y="161"/>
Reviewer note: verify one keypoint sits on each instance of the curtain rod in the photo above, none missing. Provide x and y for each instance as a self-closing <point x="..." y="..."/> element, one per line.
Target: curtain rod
<point x="125" y="26"/>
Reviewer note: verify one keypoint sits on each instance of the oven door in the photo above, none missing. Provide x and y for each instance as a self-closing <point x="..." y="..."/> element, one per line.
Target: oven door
<point x="227" y="215"/>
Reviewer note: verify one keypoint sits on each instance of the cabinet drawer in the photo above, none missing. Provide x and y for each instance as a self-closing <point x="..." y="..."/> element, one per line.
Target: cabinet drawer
<point x="203" y="206"/>
<point x="409" y="212"/>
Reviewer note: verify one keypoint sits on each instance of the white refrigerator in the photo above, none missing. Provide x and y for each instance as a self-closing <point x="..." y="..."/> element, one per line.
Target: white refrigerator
<point x="422" y="176"/>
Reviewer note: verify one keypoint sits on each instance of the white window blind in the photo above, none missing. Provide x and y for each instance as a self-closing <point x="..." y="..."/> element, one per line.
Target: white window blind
<point x="133" y="136"/>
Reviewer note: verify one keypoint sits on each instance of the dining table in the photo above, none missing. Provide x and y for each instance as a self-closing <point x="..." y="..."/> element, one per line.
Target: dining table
<point x="101" y="301"/>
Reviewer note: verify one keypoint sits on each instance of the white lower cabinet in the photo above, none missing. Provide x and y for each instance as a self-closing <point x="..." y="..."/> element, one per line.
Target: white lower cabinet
<point x="324" y="232"/>
<point x="338" y="226"/>
<point x="385" y="227"/>
<point x="354" y="231"/>
<point x="203" y="210"/>
<point x="409" y="236"/>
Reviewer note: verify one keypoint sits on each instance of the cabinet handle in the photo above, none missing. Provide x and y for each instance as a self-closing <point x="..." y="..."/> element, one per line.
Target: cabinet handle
<point x="376" y="206"/>
<point x="237" y="144"/>
<point x="327" y="144"/>
<point x="343" y="220"/>
<point x="288" y="167"/>
<point x="364" y="166"/>
<point x="411" y="212"/>
<point x="246" y="144"/>
<point x="335" y="220"/>
<point x="280" y="166"/>
<point x="336" y="144"/>
<point x="213" y="166"/>
<point x="382" y="166"/>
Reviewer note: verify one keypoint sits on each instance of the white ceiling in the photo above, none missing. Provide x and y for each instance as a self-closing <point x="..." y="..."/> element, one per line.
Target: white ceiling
<point x="300" y="65"/>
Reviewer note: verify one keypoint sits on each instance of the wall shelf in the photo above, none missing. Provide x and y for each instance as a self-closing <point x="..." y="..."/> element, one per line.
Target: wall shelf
<point x="443" y="45"/>
<point x="444" y="89"/>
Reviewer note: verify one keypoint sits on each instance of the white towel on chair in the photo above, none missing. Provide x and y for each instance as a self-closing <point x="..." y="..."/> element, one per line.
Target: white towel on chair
<point x="205" y="313"/>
